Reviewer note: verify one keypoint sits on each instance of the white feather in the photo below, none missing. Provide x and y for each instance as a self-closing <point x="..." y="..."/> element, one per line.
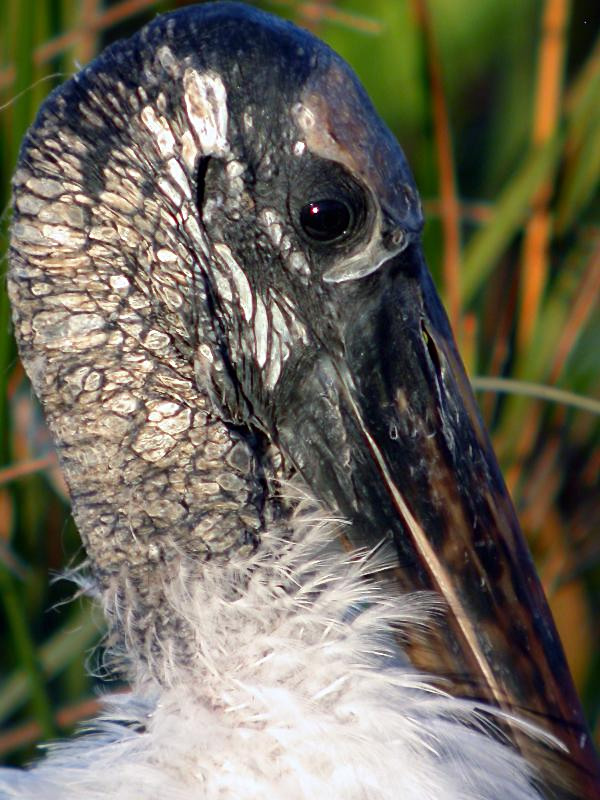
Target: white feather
<point x="297" y="692"/>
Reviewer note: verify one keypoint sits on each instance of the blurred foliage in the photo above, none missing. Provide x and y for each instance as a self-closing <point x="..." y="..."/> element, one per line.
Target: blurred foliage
<point x="497" y="105"/>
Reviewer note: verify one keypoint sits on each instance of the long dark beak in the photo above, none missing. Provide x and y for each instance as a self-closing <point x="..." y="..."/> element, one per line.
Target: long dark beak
<point x="390" y="435"/>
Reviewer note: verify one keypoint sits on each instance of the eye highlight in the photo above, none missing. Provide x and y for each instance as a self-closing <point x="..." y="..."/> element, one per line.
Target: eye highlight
<point x="326" y="220"/>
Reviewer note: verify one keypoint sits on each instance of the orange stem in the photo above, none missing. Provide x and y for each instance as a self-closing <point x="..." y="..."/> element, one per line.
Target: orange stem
<point x="9" y="474"/>
<point x="546" y="117"/>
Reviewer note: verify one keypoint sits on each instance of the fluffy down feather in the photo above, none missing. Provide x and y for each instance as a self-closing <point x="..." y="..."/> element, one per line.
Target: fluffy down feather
<point x="297" y="692"/>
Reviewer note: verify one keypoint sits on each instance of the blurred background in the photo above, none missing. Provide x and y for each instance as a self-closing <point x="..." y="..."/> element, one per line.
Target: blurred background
<point x="497" y="105"/>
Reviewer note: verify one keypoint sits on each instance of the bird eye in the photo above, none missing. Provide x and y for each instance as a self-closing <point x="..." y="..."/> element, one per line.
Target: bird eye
<point x="326" y="220"/>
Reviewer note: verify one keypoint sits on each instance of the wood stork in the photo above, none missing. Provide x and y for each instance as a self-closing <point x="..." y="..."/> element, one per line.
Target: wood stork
<point x="310" y="566"/>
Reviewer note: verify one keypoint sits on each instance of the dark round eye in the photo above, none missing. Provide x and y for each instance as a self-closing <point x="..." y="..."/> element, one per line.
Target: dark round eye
<point x="326" y="220"/>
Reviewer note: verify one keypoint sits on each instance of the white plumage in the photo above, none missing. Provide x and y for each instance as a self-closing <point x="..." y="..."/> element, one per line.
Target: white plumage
<point x="297" y="692"/>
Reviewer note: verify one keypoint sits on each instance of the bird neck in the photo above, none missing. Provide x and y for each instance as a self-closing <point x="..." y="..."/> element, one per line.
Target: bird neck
<point x="157" y="475"/>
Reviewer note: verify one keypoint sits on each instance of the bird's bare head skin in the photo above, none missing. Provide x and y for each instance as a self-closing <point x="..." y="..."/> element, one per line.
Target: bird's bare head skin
<point x="218" y="291"/>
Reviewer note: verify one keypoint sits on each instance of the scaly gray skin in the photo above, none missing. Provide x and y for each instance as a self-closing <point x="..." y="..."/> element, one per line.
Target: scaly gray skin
<point x="193" y="346"/>
<point x="130" y="338"/>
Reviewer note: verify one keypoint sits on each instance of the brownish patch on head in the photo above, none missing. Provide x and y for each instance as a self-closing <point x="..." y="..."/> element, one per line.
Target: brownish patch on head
<point x="337" y="121"/>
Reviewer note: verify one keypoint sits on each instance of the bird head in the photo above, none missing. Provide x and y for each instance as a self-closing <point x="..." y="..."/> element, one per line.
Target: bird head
<point x="218" y="282"/>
